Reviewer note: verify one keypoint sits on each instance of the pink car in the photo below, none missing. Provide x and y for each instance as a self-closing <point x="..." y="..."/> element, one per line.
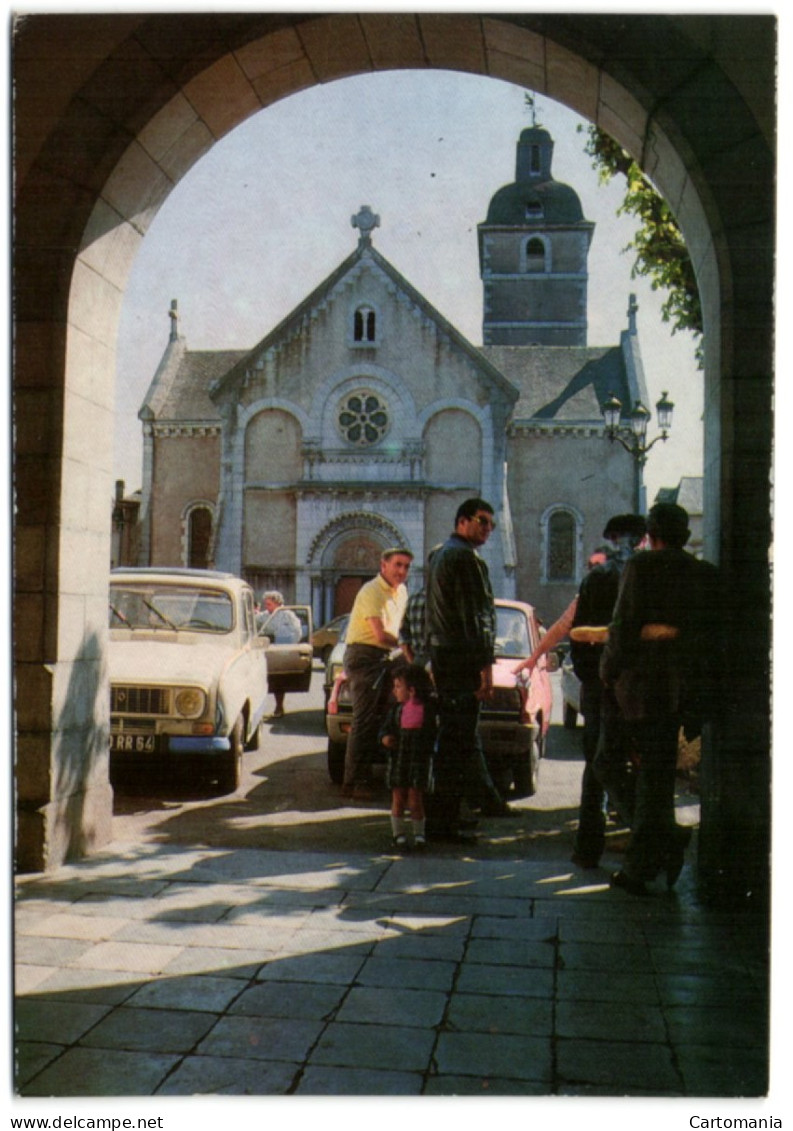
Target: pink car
<point x="514" y="722"/>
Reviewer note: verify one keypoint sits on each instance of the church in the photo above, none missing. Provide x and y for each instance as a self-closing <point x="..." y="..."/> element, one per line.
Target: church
<point x="364" y="418"/>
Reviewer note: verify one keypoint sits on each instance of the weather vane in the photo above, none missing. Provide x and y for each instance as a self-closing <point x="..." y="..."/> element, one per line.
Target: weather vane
<point x="531" y="103"/>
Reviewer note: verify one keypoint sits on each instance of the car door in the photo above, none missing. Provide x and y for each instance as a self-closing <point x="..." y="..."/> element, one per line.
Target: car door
<point x="290" y="663"/>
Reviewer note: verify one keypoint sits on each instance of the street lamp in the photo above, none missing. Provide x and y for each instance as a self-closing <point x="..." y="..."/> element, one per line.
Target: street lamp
<point x="638" y="419"/>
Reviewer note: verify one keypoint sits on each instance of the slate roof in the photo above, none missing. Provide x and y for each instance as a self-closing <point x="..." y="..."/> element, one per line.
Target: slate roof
<point x="180" y="390"/>
<point x="564" y="383"/>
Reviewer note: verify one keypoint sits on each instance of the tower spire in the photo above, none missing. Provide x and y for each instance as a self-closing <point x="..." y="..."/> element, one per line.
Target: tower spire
<point x="173" y="314"/>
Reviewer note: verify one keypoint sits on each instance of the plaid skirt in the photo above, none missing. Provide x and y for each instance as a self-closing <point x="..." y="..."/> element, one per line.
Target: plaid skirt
<point x="410" y="764"/>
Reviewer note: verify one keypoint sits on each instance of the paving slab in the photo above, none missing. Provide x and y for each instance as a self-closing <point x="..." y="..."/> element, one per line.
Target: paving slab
<point x="393" y="1046"/>
<point x="508" y="1055"/>
<point x="407" y="973"/>
<point x="142" y="958"/>
<point x="488" y="1086"/>
<point x="422" y="945"/>
<point x="489" y="1014"/>
<point x="67" y="925"/>
<point x="101" y="987"/>
<point x="340" y="969"/>
<point x="317" y="1080"/>
<point x="631" y="1021"/>
<point x="261" y="1038"/>
<point x="33" y="950"/>
<point x="483" y="978"/>
<point x="32" y="1057"/>
<point x="712" y="1070"/>
<point x="229" y="1076"/>
<point x="312" y="1001"/>
<point x="511" y="952"/>
<point x="204" y="993"/>
<point x="423" y="1009"/>
<point x="244" y="964"/>
<point x="149" y="1030"/>
<point x="589" y="986"/>
<point x="61" y="1022"/>
<point x="621" y="1066"/>
<point x="102" y="1072"/>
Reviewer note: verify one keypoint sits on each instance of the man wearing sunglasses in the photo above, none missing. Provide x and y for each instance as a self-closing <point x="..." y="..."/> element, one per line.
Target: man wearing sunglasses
<point x="461" y="629"/>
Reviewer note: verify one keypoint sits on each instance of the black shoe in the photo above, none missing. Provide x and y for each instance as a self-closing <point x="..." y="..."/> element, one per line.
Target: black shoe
<point x="585" y="861"/>
<point x="676" y="858"/>
<point x="452" y="836"/>
<point x="467" y="824"/>
<point x="624" y="881"/>
<point x="495" y="810"/>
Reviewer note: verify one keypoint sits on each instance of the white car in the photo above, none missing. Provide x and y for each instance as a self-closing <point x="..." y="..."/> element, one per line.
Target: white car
<point x="188" y="673"/>
<point x="571" y="694"/>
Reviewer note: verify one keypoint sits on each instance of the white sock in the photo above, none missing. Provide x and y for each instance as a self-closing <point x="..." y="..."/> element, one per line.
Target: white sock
<point x="398" y="825"/>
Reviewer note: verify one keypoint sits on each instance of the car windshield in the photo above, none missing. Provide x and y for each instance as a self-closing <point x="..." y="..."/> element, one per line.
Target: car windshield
<point x="512" y="633"/>
<point x="170" y="607"/>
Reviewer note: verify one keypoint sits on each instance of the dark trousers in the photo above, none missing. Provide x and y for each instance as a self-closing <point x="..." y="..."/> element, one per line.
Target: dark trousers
<point x="365" y="667"/>
<point x="460" y="769"/>
<point x="591" y="835"/>
<point x="654" y="834"/>
<point x="612" y="763"/>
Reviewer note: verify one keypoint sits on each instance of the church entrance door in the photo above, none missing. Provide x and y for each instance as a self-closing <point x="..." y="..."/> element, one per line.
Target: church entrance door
<point x="346" y="590"/>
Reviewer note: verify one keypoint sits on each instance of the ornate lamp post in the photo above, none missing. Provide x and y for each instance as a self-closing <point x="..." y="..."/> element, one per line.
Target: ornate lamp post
<point x="636" y="443"/>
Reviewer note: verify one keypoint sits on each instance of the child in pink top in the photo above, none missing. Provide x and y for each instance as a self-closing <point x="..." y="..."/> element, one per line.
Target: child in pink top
<point x="408" y="734"/>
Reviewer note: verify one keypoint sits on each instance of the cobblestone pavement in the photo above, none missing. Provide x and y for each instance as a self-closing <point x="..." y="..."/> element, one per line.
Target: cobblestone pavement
<point x="267" y="943"/>
<point x="171" y="970"/>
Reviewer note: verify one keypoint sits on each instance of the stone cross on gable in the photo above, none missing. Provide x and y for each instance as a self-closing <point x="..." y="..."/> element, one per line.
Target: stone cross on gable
<point x="366" y="222"/>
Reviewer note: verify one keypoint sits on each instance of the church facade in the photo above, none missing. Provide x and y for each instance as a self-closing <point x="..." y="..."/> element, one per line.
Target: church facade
<point x="364" y="418"/>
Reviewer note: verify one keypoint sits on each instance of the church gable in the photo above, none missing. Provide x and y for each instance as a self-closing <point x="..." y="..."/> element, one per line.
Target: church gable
<point x="364" y="321"/>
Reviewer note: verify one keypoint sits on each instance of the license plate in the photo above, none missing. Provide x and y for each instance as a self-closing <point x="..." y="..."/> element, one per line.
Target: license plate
<point x="132" y="743"/>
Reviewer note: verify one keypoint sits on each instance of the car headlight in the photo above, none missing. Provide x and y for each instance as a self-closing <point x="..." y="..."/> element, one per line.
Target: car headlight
<point x="190" y="702"/>
<point x="344" y="695"/>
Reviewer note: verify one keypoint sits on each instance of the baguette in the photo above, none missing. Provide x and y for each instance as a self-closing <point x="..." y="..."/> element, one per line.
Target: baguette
<point x="659" y="632"/>
<point x="590" y="634"/>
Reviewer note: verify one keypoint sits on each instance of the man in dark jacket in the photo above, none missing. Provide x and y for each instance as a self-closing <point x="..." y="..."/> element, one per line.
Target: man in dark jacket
<point x="605" y="754"/>
<point x="461" y="630"/>
<point x="662" y="660"/>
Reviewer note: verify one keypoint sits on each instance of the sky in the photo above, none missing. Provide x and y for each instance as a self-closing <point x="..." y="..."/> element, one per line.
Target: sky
<point x="264" y="217"/>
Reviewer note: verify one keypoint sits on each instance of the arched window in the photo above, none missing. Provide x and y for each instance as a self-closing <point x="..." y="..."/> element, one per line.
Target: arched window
<point x="535" y="254"/>
<point x="561" y="546"/>
<point x="199" y="537"/>
<point x="364" y="324"/>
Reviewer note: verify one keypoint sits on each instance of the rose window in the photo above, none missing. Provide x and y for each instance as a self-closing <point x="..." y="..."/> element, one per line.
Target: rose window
<point x="363" y="418"/>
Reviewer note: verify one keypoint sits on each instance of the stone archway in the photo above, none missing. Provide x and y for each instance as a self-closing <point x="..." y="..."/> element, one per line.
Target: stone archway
<point x="100" y="142"/>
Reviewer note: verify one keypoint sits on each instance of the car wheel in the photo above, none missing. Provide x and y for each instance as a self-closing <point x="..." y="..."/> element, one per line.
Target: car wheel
<point x="231" y="769"/>
<point x="336" y="752"/>
<point x="570" y="716"/>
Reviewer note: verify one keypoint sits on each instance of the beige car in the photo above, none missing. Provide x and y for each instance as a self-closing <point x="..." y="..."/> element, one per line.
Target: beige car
<point x="188" y="674"/>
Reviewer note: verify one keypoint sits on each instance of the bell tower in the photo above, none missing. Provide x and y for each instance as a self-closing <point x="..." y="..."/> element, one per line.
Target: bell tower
<point x="533" y="250"/>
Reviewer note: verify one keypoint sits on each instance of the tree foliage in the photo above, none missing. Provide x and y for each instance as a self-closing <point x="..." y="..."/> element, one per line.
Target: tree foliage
<point x="661" y="253"/>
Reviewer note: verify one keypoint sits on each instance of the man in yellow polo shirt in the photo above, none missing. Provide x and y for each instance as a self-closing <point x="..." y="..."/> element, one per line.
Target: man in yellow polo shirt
<point x="372" y="633"/>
